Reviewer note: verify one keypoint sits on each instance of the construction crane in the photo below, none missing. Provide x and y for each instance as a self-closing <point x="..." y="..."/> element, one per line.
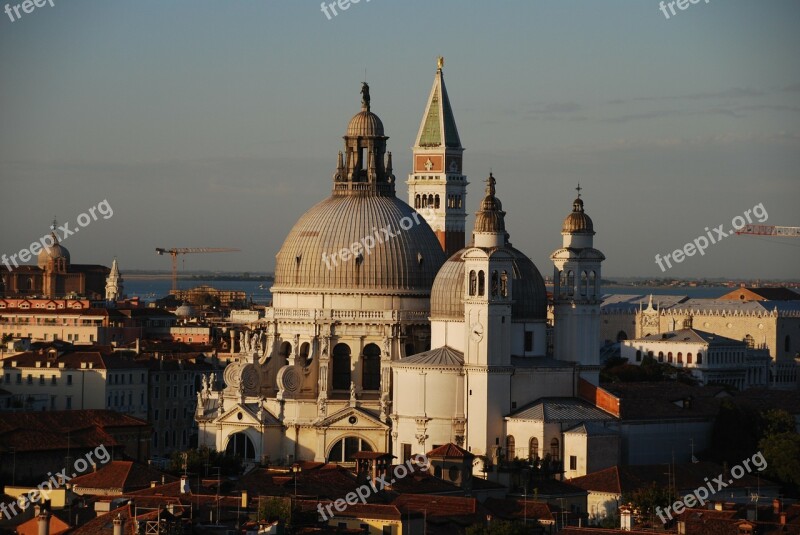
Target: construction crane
<point x="769" y="230"/>
<point x="175" y="251"/>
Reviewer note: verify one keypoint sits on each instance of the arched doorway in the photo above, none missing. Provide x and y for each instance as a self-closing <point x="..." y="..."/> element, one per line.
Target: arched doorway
<point x="240" y="445"/>
<point x="343" y="449"/>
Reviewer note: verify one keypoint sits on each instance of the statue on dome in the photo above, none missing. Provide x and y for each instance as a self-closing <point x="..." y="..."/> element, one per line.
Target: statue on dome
<point x="365" y="95"/>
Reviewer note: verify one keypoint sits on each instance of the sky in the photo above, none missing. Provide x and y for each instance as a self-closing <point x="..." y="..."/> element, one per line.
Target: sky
<point x="216" y="124"/>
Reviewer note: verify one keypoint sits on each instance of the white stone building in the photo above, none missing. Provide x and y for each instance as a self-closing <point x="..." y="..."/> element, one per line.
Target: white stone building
<point x="709" y="357"/>
<point x="374" y="341"/>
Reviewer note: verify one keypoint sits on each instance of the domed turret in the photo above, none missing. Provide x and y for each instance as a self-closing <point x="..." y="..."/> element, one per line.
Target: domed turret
<point x="578" y="222"/>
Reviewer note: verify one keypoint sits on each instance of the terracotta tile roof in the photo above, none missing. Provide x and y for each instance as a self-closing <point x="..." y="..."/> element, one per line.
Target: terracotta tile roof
<point x="369" y="510"/>
<point x="449" y="450"/>
<point x="663" y="400"/>
<point x="419" y="482"/>
<point x="434" y="506"/>
<point x="511" y="509"/>
<point x="686" y="477"/>
<point x="324" y="482"/>
<point x="31" y="527"/>
<point x="56" y="430"/>
<point x="124" y="476"/>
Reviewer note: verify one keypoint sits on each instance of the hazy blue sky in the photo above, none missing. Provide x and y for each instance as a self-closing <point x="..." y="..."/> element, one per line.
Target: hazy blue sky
<point x="208" y="123"/>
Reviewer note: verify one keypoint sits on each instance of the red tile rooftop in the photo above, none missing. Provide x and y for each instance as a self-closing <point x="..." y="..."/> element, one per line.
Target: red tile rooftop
<point x="121" y="476"/>
<point x="449" y="450"/>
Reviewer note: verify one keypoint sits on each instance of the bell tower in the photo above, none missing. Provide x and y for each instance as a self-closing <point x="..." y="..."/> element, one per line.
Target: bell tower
<point x="488" y="297"/>
<point x="576" y="290"/>
<point x="437" y="187"/>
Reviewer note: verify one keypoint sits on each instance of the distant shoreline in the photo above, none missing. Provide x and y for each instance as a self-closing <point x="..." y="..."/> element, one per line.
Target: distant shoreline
<point x="198" y="278"/>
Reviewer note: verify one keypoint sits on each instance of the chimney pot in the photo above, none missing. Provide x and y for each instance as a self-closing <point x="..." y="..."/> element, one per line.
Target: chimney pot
<point x="43" y="523"/>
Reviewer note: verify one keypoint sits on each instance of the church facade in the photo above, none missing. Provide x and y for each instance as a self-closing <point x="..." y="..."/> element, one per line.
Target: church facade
<point x="387" y="333"/>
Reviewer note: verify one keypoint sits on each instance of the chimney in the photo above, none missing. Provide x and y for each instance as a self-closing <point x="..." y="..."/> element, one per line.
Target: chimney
<point x="43" y="521"/>
<point x="783" y="518"/>
<point x="184" y="485"/>
<point x="718" y="506"/>
<point x="119" y="524"/>
<point x="244" y="499"/>
<point x="776" y="506"/>
<point x="163" y="480"/>
<point x="625" y="518"/>
<point x="153" y="484"/>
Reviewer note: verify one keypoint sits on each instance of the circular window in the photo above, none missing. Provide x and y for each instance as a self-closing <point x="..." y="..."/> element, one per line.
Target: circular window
<point x="729" y="325"/>
<point x="353" y="420"/>
<point x="239" y="416"/>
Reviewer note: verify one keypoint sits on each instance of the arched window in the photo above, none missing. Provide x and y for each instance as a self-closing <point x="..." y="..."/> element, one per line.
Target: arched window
<point x="424" y="201"/>
<point x="584" y="283"/>
<point x="749" y="341"/>
<point x="30" y="283"/>
<point x="436" y="202"/>
<point x="305" y="347"/>
<point x="680" y="357"/>
<point x="341" y="367"/>
<point x="699" y="358"/>
<point x="688" y="358"/>
<point x="504" y="284"/>
<point x="593" y="283"/>
<point x="344" y="449"/>
<point x="371" y="368"/>
<point x="285" y="351"/>
<point x="473" y="283"/>
<point x="511" y="450"/>
<point x="638" y="355"/>
<point x="669" y="357"/>
<point x="555" y="451"/>
<point x="562" y="286"/>
<point x="430" y="199"/>
<point x="533" y="448"/>
<point x="481" y="283"/>
<point x="495" y="284"/>
<point x="459" y="201"/>
<point x="621" y="336"/>
<point x="570" y="283"/>
<point x="660" y="356"/>
<point x="416" y="201"/>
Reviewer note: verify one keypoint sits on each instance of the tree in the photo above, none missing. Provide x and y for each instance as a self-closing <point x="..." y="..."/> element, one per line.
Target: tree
<point x="275" y="508"/>
<point x="780" y="446"/>
<point x="646" y="499"/>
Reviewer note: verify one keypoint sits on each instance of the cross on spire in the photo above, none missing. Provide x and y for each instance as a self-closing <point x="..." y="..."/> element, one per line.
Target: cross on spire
<point x="55" y="224"/>
<point x="578" y="189"/>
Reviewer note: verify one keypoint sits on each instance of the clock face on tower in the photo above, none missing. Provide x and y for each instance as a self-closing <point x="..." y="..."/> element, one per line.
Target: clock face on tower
<point x="476" y="331"/>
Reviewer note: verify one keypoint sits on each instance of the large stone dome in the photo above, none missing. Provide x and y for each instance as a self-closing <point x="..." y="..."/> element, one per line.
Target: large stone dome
<point x="404" y="264"/>
<point x="527" y="287"/>
<point x="49" y="255"/>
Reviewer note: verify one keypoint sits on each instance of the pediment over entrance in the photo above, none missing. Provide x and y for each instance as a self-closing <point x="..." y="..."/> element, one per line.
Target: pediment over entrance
<point x="342" y="419"/>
